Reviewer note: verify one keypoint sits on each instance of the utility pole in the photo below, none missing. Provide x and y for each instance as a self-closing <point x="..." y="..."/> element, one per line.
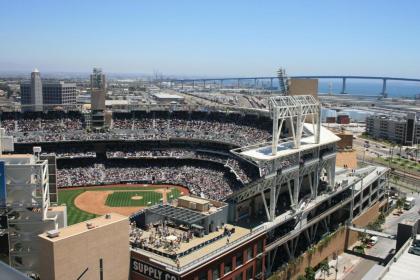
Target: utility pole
<point x="336" y="266"/>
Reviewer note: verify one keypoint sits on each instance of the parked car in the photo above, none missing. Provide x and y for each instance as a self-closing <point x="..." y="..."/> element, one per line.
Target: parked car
<point x="409" y="203"/>
<point x="372" y="241"/>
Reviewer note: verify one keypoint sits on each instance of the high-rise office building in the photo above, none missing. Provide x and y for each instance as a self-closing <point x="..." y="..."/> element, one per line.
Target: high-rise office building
<point x="31" y="92"/>
<point x="35" y="94"/>
<point x="36" y="90"/>
<point x="59" y="93"/>
<point x="98" y="79"/>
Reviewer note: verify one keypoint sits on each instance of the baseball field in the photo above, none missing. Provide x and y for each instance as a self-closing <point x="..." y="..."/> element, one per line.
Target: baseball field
<point x="88" y="202"/>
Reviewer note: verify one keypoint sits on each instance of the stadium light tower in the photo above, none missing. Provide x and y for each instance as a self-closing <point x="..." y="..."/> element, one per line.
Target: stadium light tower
<point x="283" y="81"/>
<point x="294" y="110"/>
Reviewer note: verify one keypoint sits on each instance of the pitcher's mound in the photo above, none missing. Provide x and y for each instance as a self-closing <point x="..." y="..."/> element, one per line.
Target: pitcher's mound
<point x="137" y="197"/>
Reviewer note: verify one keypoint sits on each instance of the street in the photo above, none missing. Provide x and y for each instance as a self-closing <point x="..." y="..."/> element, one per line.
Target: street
<point x="352" y="267"/>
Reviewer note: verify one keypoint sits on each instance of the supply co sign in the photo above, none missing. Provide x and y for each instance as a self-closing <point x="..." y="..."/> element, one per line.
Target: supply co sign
<point x="151" y="271"/>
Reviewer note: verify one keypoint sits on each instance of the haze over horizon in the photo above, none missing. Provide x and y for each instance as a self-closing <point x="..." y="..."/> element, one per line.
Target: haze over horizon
<point x="186" y="38"/>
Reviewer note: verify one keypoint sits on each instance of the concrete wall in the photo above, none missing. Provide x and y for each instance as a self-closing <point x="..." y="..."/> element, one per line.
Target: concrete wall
<point x="98" y="99"/>
<point x="341" y="240"/>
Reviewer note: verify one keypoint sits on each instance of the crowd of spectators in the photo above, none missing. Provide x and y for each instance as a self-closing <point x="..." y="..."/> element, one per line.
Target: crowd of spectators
<point x="69" y="152"/>
<point x="58" y="125"/>
<point x="73" y="155"/>
<point x="217" y="130"/>
<point x="176" y="153"/>
<point x="200" y="180"/>
<point x="242" y="173"/>
<point x="233" y="128"/>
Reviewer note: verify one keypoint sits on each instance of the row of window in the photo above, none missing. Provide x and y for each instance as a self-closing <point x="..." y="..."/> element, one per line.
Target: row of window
<point x="230" y="264"/>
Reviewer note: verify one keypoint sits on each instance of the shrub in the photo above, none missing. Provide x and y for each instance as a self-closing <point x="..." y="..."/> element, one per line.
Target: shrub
<point x="309" y="273"/>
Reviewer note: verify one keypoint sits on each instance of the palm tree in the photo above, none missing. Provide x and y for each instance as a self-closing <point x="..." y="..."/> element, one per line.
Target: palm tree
<point x="399" y="154"/>
<point x="408" y="151"/>
<point x="396" y="179"/>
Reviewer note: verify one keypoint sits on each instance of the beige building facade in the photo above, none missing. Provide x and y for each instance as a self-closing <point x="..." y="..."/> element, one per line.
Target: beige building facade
<point x="95" y="249"/>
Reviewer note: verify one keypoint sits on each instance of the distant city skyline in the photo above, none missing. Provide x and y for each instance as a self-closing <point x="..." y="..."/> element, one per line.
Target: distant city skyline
<point x="186" y="38"/>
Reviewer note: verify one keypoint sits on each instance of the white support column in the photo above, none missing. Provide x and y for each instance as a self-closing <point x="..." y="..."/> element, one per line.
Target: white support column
<point x="286" y="247"/>
<point x="274" y="256"/>
<point x="265" y="206"/>
<point x="292" y="127"/>
<point x="314" y="229"/>
<point x="324" y="223"/>
<point x="292" y="201"/>
<point x="331" y="173"/>
<point x="295" y="243"/>
<point x="275" y="132"/>
<point x="316" y="181"/>
<point x="318" y="125"/>
<point x="299" y="125"/>
<point x="278" y="192"/>
<point x="296" y="189"/>
<point x="273" y="201"/>
<point x="332" y="178"/>
<point x="307" y="235"/>
<point x="311" y="185"/>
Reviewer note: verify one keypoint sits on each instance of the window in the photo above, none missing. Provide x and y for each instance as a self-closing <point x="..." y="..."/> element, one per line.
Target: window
<point x="258" y="266"/>
<point x="202" y="275"/>
<point x="249" y="253"/>
<point x="239" y="258"/>
<point x="249" y="272"/>
<point x="260" y="246"/>
<point x="228" y="265"/>
<point x="239" y="276"/>
<point x="216" y="272"/>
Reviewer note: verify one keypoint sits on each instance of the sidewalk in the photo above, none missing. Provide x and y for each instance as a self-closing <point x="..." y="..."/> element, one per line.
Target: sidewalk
<point x="345" y="264"/>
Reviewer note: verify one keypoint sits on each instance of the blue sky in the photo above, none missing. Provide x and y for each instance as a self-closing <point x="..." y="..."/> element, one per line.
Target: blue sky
<point x="212" y="38"/>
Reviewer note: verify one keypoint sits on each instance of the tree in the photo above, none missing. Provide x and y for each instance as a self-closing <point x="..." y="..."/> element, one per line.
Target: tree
<point x="359" y="249"/>
<point x="396" y="179"/>
<point x="363" y="236"/>
<point x="400" y="203"/>
<point x="309" y="273"/>
<point x="324" y="267"/>
<point x="301" y="277"/>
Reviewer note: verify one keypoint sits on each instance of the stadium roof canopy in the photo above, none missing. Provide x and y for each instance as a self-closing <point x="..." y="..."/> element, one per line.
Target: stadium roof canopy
<point x="181" y="215"/>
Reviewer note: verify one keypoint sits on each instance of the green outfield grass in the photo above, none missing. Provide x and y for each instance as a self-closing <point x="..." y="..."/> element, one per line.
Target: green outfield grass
<point x="175" y="193"/>
<point x="74" y="214"/>
<point x="124" y="199"/>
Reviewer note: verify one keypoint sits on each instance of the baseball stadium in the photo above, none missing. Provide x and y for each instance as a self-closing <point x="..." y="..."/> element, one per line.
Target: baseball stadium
<point x="211" y="193"/>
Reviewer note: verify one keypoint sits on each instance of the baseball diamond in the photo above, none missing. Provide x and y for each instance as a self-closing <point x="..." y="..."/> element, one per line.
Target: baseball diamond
<point x="88" y="202"/>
